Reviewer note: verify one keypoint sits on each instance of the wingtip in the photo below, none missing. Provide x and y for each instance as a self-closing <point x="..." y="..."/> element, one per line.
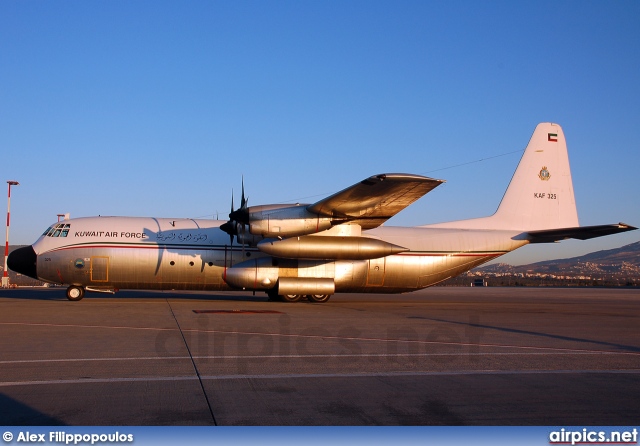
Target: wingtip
<point x="626" y="226"/>
<point x="401" y="177"/>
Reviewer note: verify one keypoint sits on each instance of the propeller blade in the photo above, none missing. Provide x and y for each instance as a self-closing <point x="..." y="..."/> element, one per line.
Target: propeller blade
<point x="243" y="201"/>
<point x="237" y="216"/>
<point x="243" y="239"/>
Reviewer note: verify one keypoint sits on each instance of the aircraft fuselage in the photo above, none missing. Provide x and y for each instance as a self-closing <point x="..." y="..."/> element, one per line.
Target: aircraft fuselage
<point x="185" y="254"/>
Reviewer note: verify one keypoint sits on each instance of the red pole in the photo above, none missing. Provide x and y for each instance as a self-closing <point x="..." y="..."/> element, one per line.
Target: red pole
<point x="5" y="275"/>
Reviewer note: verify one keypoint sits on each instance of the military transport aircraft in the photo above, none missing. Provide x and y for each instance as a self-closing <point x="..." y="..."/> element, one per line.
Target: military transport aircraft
<point x="338" y="244"/>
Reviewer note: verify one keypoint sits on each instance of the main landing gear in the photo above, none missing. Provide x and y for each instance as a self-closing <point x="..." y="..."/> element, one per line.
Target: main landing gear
<point x="75" y="293"/>
<point x="317" y="298"/>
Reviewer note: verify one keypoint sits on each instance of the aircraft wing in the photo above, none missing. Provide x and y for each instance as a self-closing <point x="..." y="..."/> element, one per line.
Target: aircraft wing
<point x="580" y="233"/>
<point x="371" y="202"/>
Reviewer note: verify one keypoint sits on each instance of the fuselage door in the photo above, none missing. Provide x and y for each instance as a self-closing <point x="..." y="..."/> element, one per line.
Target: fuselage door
<point x="99" y="269"/>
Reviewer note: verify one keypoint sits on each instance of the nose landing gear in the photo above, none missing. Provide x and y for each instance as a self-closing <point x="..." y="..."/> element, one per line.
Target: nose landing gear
<point x="75" y="293"/>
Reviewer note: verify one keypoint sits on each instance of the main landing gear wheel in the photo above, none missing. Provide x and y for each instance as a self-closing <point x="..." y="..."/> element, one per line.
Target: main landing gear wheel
<point x="75" y="293"/>
<point x="318" y="298"/>
<point x="291" y="297"/>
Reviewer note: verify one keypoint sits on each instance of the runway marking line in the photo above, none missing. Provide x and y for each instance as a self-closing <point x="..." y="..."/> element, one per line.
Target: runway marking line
<point x="117" y="327"/>
<point x="322" y="337"/>
<point x="237" y="312"/>
<point x="312" y="356"/>
<point x="317" y="375"/>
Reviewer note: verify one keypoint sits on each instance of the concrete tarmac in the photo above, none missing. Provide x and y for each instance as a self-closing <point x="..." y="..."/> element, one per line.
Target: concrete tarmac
<point x="441" y="356"/>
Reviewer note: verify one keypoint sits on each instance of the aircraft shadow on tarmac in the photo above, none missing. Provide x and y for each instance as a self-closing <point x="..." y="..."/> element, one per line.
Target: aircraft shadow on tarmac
<point x="57" y="293"/>
<point x="15" y="413"/>
<point x="34" y="294"/>
<point x="629" y="348"/>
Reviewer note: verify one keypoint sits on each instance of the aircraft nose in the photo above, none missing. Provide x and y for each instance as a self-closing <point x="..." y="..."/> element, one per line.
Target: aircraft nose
<point x="23" y="260"/>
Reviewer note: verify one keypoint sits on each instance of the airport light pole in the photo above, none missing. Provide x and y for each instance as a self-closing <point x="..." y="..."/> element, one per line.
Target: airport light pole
<point x="5" y="276"/>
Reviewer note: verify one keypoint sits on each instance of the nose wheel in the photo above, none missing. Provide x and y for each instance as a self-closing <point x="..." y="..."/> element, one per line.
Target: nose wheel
<point x="75" y="293"/>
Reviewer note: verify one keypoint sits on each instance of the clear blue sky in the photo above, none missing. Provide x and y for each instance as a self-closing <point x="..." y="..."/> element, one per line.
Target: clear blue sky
<point x="158" y="108"/>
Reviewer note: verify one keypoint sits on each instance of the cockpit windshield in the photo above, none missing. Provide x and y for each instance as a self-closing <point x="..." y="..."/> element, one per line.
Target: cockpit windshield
<point x="58" y="230"/>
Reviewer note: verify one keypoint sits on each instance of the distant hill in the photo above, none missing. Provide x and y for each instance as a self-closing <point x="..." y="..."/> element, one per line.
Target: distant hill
<point x="628" y="253"/>
<point x="608" y="260"/>
<point x="613" y="266"/>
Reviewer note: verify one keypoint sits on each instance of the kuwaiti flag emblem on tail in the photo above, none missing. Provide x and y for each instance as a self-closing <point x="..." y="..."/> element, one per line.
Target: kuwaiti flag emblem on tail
<point x="552" y="137"/>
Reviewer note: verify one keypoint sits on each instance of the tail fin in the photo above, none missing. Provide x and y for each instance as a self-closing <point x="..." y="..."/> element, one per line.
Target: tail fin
<point x="539" y="200"/>
<point x="540" y="195"/>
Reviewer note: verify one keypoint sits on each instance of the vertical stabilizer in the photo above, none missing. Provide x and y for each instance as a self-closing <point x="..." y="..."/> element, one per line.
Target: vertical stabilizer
<point x="540" y="195"/>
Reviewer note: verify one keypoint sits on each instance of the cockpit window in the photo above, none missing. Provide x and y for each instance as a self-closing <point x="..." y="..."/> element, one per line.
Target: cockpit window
<point x="58" y="230"/>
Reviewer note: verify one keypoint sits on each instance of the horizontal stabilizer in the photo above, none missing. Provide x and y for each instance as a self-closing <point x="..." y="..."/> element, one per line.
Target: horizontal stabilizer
<point x="580" y="233"/>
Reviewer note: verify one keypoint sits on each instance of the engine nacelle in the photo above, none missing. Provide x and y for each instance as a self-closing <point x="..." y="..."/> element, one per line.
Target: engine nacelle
<point x="289" y="221"/>
<point x="257" y="274"/>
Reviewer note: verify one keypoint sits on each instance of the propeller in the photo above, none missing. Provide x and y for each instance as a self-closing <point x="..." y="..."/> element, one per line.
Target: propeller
<point x="237" y="217"/>
<point x="230" y="226"/>
<point x="242" y="214"/>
